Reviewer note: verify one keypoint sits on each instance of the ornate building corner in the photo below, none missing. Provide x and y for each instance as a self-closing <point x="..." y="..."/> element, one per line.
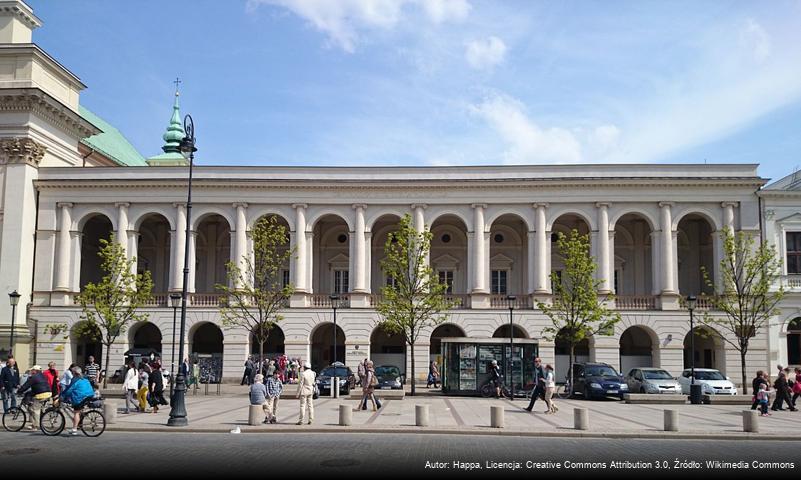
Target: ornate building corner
<point x="21" y="150"/>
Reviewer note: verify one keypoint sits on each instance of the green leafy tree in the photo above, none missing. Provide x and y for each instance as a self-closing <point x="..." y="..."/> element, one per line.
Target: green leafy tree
<point x="751" y="293"/>
<point x="257" y="291"/>
<point x="112" y="304"/>
<point x="576" y="311"/>
<point x="414" y="299"/>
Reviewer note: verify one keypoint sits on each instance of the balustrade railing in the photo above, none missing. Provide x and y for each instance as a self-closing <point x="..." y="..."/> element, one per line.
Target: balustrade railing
<point x="158" y="300"/>
<point x="205" y="299"/>
<point x="500" y="301"/>
<point x="791" y="282"/>
<point x="323" y="300"/>
<point x="635" y="302"/>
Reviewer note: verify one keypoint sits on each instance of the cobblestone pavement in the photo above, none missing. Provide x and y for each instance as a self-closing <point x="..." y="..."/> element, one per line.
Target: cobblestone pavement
<point x="204" y="455"/>
<point x="460" y="414"/>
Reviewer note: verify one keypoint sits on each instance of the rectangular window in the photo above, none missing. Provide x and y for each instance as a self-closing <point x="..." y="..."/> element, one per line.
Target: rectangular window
<point x="498" y="286"/>
<point x="390" y="282"/>
<point x="340" y="281"/>
<point x="284" y="278"/>
<point x="446" y="277"/>
<point x="794" y="253"/>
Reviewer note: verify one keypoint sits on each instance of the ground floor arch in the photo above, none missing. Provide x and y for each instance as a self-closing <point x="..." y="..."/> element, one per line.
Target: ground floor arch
<point x="322" y="345"/>
<point x="638" y="349"/>
<point x="206" y="347"/>
<point x="581" y="353"/>
<point x="446" y="330"/>
<point x="85" y="341"/>
<point x="388" y="349"/>
<point x="794" y="342"/>
<point x="273" y="347"/>
<point x="503" y="332"/>
<point x="709" y="351"/>
<point x="146" y="336"/>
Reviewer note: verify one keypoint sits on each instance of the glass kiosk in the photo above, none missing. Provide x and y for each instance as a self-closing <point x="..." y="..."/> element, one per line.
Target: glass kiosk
<point x="466" y="363"/>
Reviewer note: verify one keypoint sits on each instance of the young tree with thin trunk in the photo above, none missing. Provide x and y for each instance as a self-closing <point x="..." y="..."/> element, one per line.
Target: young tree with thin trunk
<point x="257" y="290"/>
<point x="751" y="292"/>
<point x="576" y="311"/>
<point x="111" y="305"/>
<point x="414" y="300"/>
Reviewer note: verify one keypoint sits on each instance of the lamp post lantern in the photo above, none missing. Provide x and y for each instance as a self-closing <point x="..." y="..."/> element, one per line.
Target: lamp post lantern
<point x="511" y="299"/>
<point x="175" y="303"/>
<point x="13" y="299"/>
<point x="334" y="379"/>
<point x="178" y="410"/>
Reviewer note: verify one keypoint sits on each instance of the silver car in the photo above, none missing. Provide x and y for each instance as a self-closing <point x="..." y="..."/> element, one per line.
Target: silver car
<point x="652" y="380"/>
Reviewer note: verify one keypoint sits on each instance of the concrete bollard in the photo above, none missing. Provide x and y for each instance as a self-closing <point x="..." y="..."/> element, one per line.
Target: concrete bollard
<point x="255" y="415"/>
<point x="581" y="419"/>
<point x="751" y="421"/>
<point x="345" y="415"/>
<point x="671" y="420"/>
<point x="496" y="417"/>
<point x="421" y="415"/>
<point x="110" y="411"/>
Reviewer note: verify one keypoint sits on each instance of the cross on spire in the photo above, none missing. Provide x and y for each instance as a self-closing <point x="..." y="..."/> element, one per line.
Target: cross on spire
<point x="177" y="81"/>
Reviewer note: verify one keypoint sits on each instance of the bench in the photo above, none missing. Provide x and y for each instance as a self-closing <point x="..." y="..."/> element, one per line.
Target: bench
<point x="655" y="399"/>
<point x="727" y="399"/>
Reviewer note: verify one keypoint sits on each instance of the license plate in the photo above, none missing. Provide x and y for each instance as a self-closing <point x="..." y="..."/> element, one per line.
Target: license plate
<point x="386" y="388"/>
<point x="611" y="391"/>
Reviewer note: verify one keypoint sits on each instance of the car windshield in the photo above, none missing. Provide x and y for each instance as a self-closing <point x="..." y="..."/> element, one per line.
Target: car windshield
<point x="387" y="372"/>
<point x="707" y="375"/>
<point x="329" y="372"/>
<point x="657" y="375"/>
<point x="600" y="371"/>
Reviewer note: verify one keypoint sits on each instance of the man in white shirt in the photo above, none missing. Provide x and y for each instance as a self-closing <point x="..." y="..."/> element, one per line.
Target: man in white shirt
<point x="305" y="392"/>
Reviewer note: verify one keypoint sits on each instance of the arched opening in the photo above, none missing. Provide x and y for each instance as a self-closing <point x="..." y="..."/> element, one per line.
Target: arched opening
<point x="96" y="228"/>
<point x="503" y="332"/>
<point x="581" y="354"/>
<point x="85" y="342"/>
<point x="273" y="347"/>
<point x="446" y="330"/>
<point x="146" y="337"/>
<point x="213" y="252"/>
<point x="695" y="254"/>
<point x="153" y="251"/>
<point x="382" y="227"/>
<point x="284" y="276"/>
<point x="388" y="349"/>
<point x="633" y="271"/>
<point x="332" y="256"/>
<point x="709" y="349"/>
<point x="508" y="256"/>
<point x="448" y="256"/>
<point x="322" y="346"/>
<point x="794" y="342"/>
<point x="207" y="350"/>
<point x="636" y="349"/>
<point x="564" y="224"/>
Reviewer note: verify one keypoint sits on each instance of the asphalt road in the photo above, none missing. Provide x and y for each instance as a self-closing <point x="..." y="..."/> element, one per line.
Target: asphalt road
<point x="238" y="455"/>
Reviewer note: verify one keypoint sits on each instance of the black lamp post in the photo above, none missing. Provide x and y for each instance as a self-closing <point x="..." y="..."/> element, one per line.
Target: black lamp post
<point x="334" y="379"/>
<point x="175" y="302"/>
<point x="178" y="410"/>
<point x="695" y="390"/>
<point x="13" y="298"/>
<point x="511" y="299"/>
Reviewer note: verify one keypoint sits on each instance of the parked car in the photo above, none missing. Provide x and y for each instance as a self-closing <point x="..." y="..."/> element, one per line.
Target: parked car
<point x="598" y="380"/>
<point x="346" y="379"/>
<point x="712" y="382"/>
<point x="652" y="380"/>
<point x="389" y="377"/>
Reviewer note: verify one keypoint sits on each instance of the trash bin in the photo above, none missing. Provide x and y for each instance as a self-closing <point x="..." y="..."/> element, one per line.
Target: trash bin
<point x="696" y="394"/>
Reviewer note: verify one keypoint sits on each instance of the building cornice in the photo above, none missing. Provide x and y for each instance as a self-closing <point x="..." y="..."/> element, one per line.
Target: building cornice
<point x="36" y="101"/>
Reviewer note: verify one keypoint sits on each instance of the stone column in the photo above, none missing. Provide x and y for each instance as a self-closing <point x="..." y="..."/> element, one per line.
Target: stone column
<point x="480" y="272"/>
<point x="359" y="251"/>
<point x="192" y="261"/>
<point x="531" y="270"/>
<point x="419" y="221"/>
<point x="64" y="246"/>
<point x="178" y="247"/>
<point x="540" y="255"/>
<point x="122" y="226"/>
<point x="669" y="294"/>
<point x="300" y="248"/>
<point x="241" y="250"/>
<point x="603" y="248"/>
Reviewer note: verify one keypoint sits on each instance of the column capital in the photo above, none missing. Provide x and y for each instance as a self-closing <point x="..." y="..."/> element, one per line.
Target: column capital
<point x="179" y="204"/>
<point x="539" y="205"/>
<point x="240" y="204"/>
<point x="21" y="150"/>
<point x="415" y="206"/>
<point x="603" y="204"/>
<point x="359" y="206"/>
<point x="666" y="204"/>
<point x="299" y="205"/>
<point x="122" y="204"/>
<point x="65" y="205"/>
<point x="729" y="204"/>
<point x="478" y="205"/>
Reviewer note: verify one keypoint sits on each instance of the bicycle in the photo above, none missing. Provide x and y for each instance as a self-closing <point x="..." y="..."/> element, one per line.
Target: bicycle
<point x="15" y="418"/>
<point x="92" y="422"/>
<point x="565" y="390"/>
<point x="488" y="390"/>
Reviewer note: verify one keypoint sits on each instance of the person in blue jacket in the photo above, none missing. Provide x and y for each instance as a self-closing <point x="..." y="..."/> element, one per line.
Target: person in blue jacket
<point x="79" y="393"/>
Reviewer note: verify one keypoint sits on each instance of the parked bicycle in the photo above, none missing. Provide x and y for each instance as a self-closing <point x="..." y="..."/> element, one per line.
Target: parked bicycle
<point x="488" y="390"/>
<point x="565" y="390"/>
<point x="92" y="422"/>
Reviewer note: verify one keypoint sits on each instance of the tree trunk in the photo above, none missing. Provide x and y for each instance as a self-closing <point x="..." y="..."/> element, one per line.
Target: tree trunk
<point x="742" y="371"/>
<point x="108" y="354"/>
<point x="261" y="355"/>
<point x="411" y="344"/>
<point x="570" y="367"/>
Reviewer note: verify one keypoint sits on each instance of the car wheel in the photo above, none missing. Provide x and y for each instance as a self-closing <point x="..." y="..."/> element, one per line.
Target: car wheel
<point x="642" y="389"/>
<point x="587" y="394"/>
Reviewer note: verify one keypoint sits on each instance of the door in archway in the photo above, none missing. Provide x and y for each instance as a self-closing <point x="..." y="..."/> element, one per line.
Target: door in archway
<point x="207" y="351"/>
<point x="636" y="349"/>
<point x="388" y="349"/>
<point x="322" y="346"/>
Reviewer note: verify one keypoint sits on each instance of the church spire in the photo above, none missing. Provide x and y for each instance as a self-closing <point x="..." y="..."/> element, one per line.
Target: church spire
<point x="172" y="138"/>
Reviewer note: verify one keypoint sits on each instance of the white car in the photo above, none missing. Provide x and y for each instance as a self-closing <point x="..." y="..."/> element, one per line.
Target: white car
<point x="652" y="380"/>
<point x="712" y="382"/>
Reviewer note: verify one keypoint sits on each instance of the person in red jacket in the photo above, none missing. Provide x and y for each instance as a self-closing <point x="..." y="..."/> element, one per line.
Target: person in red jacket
<point x="52" y="378"/>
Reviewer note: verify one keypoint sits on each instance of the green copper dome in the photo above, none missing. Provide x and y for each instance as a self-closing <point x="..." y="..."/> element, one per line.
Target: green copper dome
<point x="175" y="132"/>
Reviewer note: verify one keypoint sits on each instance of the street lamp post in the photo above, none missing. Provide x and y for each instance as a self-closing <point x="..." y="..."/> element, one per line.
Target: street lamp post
<point x="511" y="299"/>
<point x="175" y="302"/>
<point x="695" y="393"/>
<point x="334" y="379"/>
<point x="13" y="298"/>
<point x="178" y="410"/>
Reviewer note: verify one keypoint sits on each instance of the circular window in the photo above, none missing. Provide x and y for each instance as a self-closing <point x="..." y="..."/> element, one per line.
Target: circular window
<point x="498" y="238"/>
<point x="446" y="238"/>
<point x="342" y="238"/>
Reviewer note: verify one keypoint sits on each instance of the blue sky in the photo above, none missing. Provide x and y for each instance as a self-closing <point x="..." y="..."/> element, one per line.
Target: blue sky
<point x="444" y="82"/>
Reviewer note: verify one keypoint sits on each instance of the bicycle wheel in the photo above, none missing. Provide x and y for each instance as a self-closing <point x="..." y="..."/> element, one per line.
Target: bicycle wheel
<point x="563" y="391"/>
<point x="487" y="391"/>
<point x="52" y="422"/>
<point x="14" y="419"/>
<point x="93" y="423"/>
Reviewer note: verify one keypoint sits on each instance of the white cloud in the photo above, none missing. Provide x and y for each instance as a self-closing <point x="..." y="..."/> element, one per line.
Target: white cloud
<point x="604" y="139"/>
<point x="527" y="142"/>
<point x="342" y="20"/>
<point x="754" y="38"/>
<point x="485" y="54"/>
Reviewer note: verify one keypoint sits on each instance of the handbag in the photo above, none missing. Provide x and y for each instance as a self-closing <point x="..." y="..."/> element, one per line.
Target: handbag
<point x="316" y="392"/>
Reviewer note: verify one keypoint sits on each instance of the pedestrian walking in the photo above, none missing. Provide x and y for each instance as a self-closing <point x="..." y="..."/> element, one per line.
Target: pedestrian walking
<point x="368" y="388"/>
<point x="433" y="375"/>
<point x="550" y="386"/>
<point x="9" y="381"/>
<point x="796" y="386"/>
<point x="156" y="387"/>
<point x="92" y="371"/>
<point x="361" y="371"/>
<point x="274" y="389"/>
<point x="762" y="399"/>
<point x="130" y="385"/>
<point x="40" y="393"/>
<point x="144" y="389"/>
<point x="539" y="384"/>
<point x="756" y="385"/>
<point x="495" y="378"/>
<point x="248" y="371"/>
<point x="306" y="392"/>
<point x="782" y="393"/>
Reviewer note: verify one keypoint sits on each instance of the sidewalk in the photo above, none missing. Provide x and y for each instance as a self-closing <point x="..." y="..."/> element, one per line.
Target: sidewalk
<point x="458" y="415"/>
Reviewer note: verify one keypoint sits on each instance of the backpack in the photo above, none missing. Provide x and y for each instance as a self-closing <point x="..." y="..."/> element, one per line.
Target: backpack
<point x="373" y="380"/>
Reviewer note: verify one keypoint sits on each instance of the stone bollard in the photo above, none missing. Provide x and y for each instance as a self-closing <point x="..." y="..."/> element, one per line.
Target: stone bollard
<point x="110" y="411"/>
<point x="671" y="420"/>
<point x="581" y="419"/>
<point x="496" y="417"/>
<point x="255" y="415"/>
<point x="751" y="421"/>
<point x="421" y="415"/>
<point x="345" y="415"/>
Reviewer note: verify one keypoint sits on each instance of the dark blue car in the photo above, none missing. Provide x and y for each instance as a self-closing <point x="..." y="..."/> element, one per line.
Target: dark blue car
<point x="598" y="380"/>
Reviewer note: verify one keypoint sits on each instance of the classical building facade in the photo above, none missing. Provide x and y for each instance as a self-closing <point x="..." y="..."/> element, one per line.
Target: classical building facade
<point x="70" y="179"/>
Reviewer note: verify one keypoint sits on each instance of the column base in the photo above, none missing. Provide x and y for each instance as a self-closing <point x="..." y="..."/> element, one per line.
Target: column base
<point x="299" y="300"/>
<point x="543" y="297"/>
<point x="359" y="300"/>
<point x="670" y="301"/>
<point x="480" y="300"/>
<point x="61" y="299"/>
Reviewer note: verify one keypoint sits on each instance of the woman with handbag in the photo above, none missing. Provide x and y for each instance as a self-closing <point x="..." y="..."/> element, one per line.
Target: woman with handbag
<point x="433" y="375"/>
<point x="368" y="388"/>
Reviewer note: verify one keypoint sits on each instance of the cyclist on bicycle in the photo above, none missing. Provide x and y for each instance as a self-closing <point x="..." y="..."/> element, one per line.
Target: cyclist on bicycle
<point x="79" y="393"/>
<point x="39" y="393"/>
<point x="495" y="377"/>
